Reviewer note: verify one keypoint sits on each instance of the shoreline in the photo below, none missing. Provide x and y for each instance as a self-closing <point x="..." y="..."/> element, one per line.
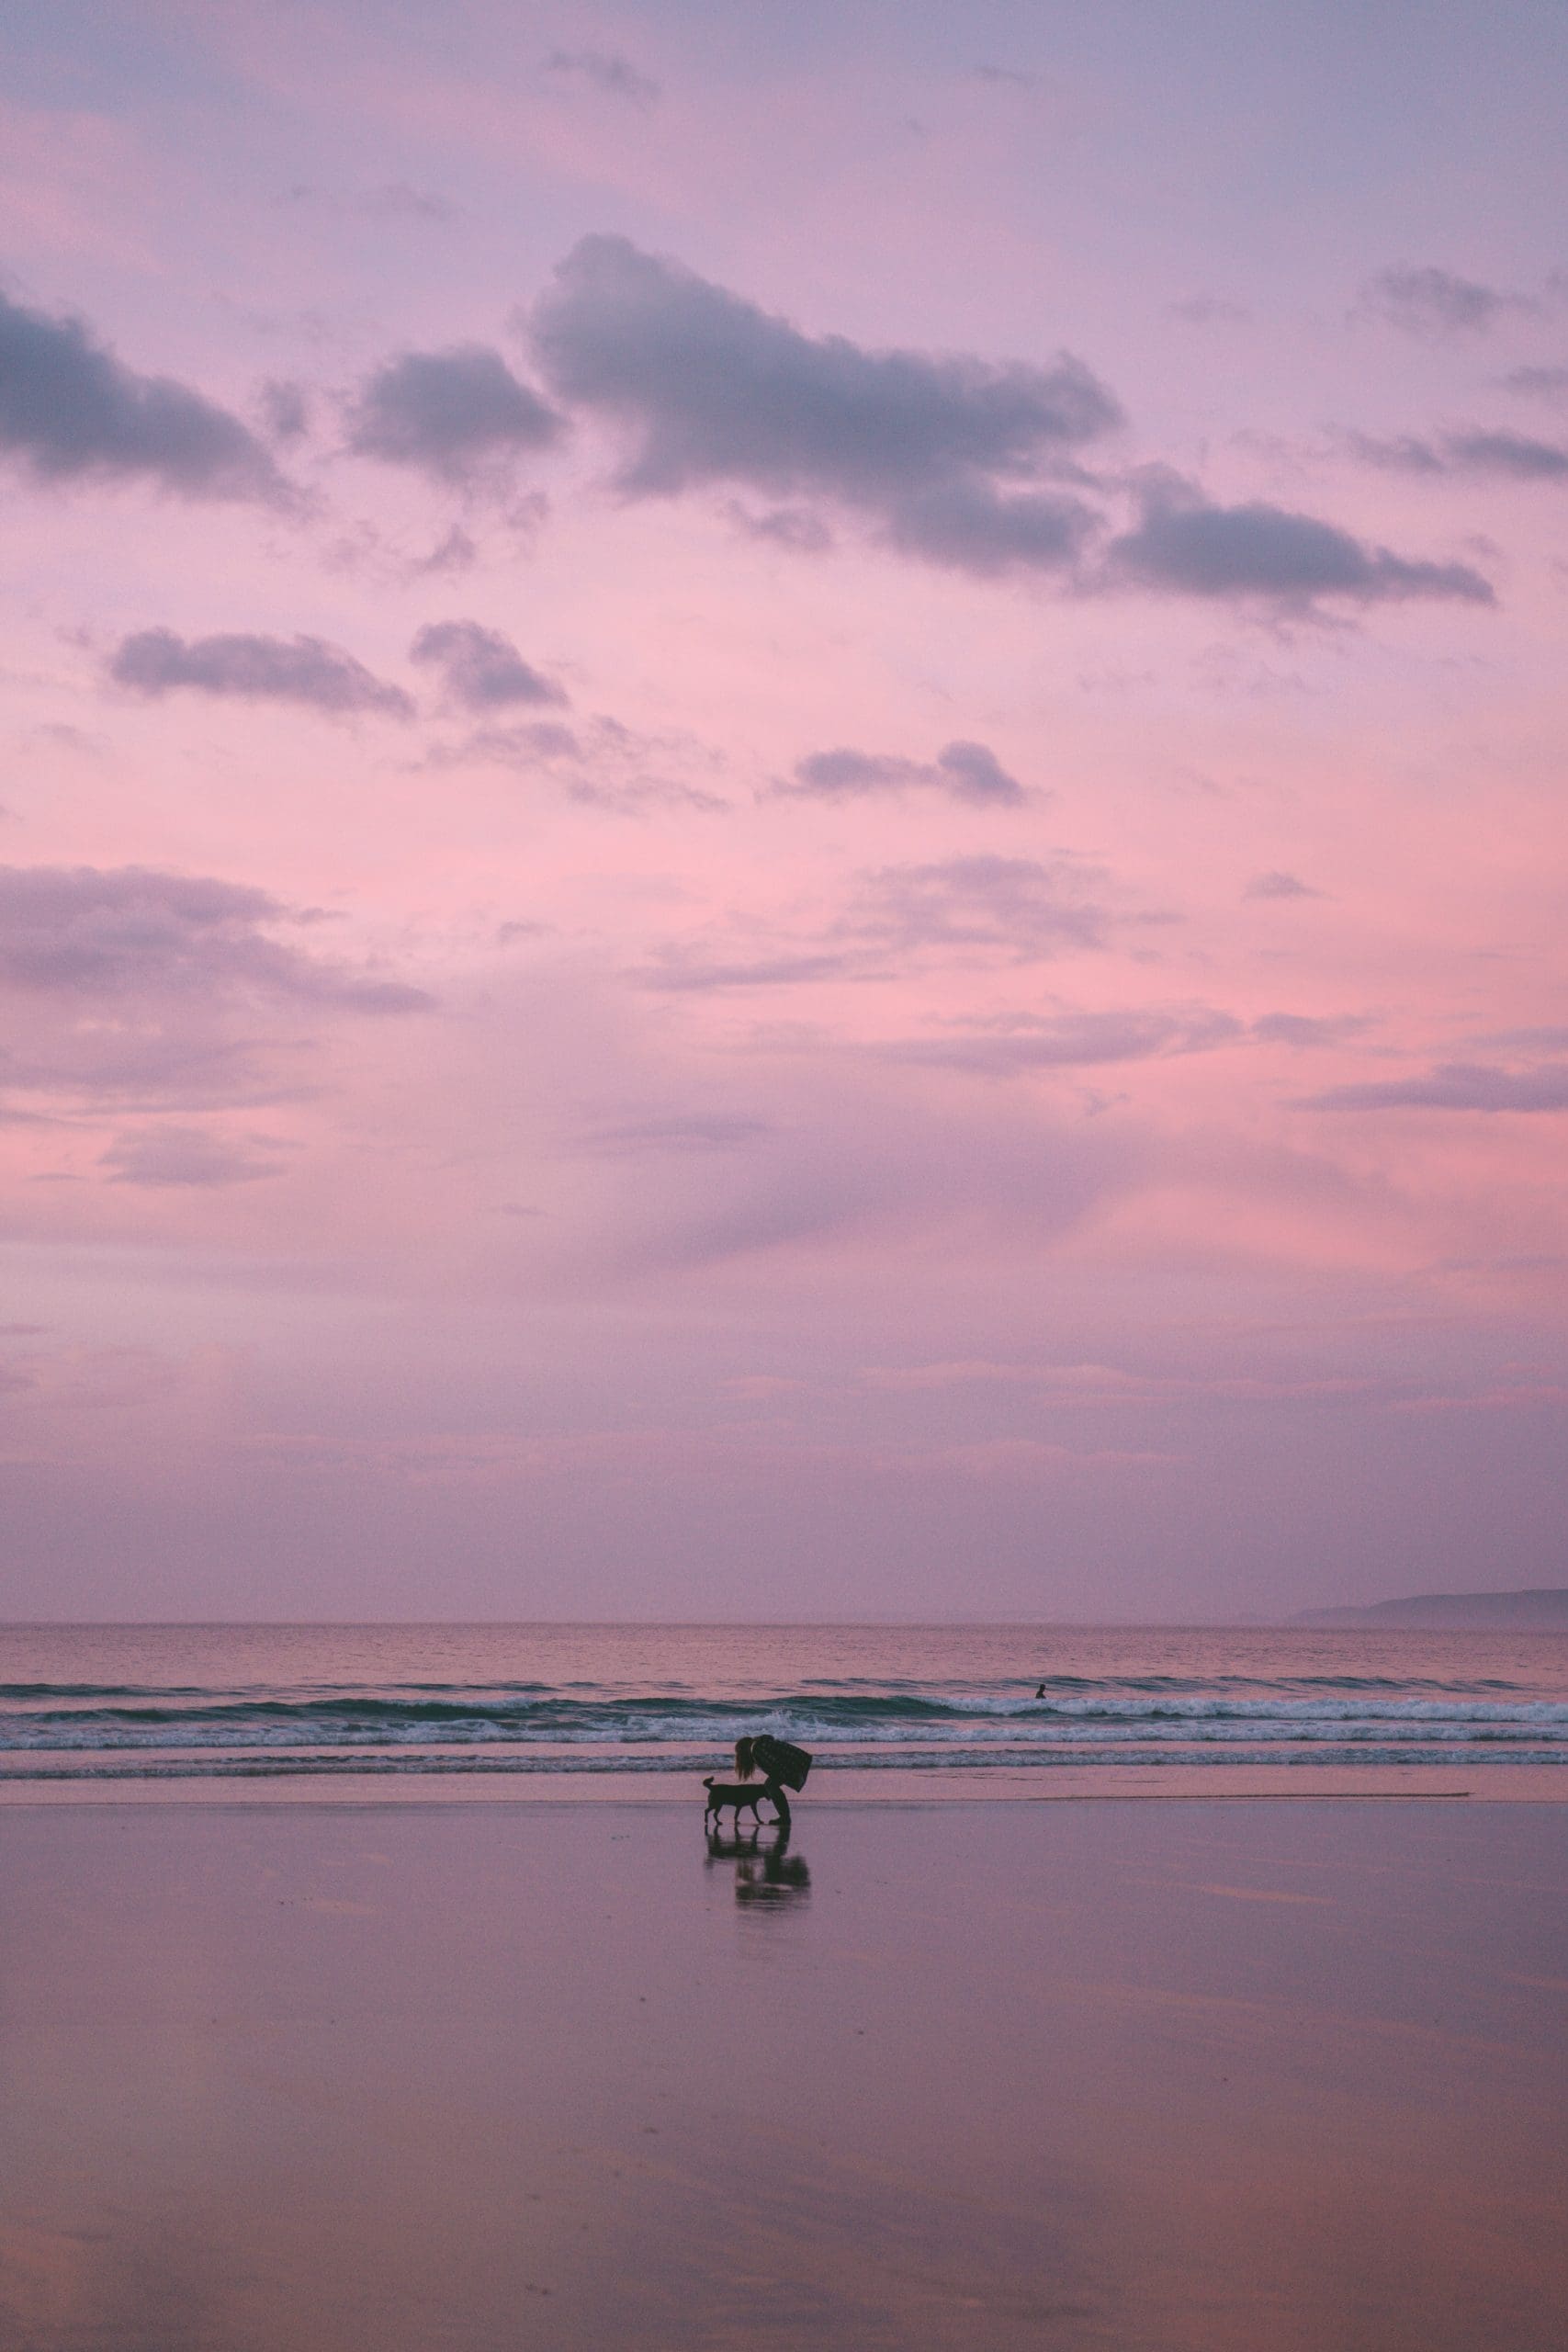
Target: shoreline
<point x="1486" y="1784"/>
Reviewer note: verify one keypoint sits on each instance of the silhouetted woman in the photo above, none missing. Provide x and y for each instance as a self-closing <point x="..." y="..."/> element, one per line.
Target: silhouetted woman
<point x="746" y="1764"/>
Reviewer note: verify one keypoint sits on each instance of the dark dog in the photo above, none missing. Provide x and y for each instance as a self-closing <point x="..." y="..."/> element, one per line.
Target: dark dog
<point x="735" y="1794"/>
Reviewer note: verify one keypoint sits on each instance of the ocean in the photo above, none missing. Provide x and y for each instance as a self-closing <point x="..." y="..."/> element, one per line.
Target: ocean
<point x="177" y="1702"/>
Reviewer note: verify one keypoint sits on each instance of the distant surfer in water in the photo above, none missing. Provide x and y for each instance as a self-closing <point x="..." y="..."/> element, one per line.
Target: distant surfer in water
<point x="1040" y="1692"/>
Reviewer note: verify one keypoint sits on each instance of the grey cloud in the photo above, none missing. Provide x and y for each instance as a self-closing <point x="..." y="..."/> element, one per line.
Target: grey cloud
<point x="1539" y="383"/>
<point x="1400" y="453"/>
<point x="1071" y="1041"/>
<point x="964" y="771"/>
<point x="1551" y="1039"/>
<point x="787" y="526"/>
<point x="1455" y="1086"/>
<point x="1307" y="1029"/>
<point x="1502" y="452"/>
<point x="536" y="745"/>
<point x="304" y="670"/>
<point x="1186" y="546"/>
<point x="1497" y="453"/>
<point x="717" y="390"/>
<point x="1432" y="303"/>
<point x="184" y="1156"/>
<point x="69" y="408"/>
<point x="481" y="669"/>
<point x="1027" y="909"/>
<point x="606" y="70"/>
<point x="167" y="992"/>
<point x="453" y="413"/>
<point x="285" y="410"/>
<point x="1277" y="885"/>
<point x="113" y="933"/>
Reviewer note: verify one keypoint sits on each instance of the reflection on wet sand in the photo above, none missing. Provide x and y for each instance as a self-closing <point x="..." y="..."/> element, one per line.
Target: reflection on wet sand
<point x="344" y="2079"/>
<point x="765" y="1869"/>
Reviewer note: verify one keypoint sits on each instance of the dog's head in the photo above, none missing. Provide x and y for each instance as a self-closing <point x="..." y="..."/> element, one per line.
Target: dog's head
<point x="708" y="1782"/>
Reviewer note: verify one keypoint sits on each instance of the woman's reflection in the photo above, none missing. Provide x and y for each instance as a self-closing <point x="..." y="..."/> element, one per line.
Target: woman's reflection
<point x="765" y="1872"/>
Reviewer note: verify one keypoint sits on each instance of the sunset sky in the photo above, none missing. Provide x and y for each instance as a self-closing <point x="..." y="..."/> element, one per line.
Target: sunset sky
<point x="782" y="832"/>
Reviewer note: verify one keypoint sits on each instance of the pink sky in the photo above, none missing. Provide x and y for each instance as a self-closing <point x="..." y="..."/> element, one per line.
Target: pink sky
<point x="784" y="830"/>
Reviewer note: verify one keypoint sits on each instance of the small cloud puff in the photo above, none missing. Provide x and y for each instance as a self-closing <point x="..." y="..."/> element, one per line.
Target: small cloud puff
<point x="1276" y="885"/>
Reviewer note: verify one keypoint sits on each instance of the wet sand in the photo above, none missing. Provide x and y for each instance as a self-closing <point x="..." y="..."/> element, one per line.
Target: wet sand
<point x="454" y="2077"/>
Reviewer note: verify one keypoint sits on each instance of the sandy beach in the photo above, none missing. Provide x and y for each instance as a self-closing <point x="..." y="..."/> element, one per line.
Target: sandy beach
<point x="1130" y="2075"/>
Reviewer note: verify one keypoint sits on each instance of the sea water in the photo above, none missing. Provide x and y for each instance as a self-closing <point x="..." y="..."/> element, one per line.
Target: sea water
<point x="183" y="1702"/>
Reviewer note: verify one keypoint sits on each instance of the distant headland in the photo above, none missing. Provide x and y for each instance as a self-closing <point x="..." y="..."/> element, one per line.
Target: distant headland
<point x="1544" y="1610"/>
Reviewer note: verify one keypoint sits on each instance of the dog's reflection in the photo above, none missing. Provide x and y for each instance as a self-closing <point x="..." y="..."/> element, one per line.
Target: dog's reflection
<point x="765" y="1869"/>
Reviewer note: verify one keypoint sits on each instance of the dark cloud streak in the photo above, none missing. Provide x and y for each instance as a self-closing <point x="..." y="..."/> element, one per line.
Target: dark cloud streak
<point x="1186" y="546"/>
<point x="303" y="670"/>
